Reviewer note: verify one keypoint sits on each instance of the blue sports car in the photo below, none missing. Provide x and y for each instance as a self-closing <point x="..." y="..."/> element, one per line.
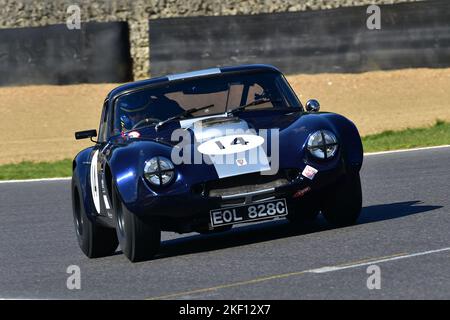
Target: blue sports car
<point x="205" y="150"/>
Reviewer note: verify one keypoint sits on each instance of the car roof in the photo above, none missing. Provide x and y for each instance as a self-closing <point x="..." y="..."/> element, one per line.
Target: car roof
<point x="193" y="74"/>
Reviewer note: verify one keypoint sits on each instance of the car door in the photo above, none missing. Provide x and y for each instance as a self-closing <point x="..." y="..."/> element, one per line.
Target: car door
<point x="100" y="196"/>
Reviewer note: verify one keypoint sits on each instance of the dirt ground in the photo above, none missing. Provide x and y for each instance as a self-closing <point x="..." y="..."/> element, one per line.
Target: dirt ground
<point x="39" y="121"/>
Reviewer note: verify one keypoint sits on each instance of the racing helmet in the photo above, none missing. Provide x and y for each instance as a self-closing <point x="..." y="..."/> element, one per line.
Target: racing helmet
<point x="127" y="110"/>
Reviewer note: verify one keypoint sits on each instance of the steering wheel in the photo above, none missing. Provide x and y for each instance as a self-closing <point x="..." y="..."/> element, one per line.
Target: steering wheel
<point x="146" y="121"/>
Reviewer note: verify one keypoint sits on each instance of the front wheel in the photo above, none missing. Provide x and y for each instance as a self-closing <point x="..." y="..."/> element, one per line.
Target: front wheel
<point x="139" y="239"/>
<point x="344" y="201"/>
<point x="94" y="240"/>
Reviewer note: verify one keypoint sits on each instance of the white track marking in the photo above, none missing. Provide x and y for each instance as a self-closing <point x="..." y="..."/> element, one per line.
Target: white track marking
<point x="356" y="265"/>
<point x="405" y="150"/>
<point x="365" y="154"/>
<point x="36" y="180"/>
<point x="295" y="274"/>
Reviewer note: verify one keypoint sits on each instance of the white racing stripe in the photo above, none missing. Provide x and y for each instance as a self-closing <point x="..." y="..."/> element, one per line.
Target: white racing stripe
<point x="356" y="265"/>
<point x="365" y="154"/>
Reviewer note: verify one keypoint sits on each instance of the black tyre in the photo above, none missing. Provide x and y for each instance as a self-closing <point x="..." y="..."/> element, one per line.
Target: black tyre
<point x="94" y="240"/>
<point x="344" y="201"/>
<point x="138" y="239"/>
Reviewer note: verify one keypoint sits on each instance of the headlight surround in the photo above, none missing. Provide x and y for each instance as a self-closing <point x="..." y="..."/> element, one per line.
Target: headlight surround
<point x="159" y="171"/>
<point x="322" y="144"/>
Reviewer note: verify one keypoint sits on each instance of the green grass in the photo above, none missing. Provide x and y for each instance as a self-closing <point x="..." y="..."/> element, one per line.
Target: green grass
<point x="438" y="134"/>
<point x="36" y="170"/>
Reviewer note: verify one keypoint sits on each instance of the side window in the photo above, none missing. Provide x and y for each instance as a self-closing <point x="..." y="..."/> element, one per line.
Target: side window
<point x="103" y="129"/>
<point x="289" y="92"/>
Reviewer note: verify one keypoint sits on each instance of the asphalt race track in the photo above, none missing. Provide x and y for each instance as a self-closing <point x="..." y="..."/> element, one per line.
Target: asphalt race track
<point x="403" y="229"/>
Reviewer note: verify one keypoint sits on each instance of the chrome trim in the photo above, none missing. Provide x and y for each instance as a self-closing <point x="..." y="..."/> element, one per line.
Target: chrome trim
<point x="312" y="105"/>
<point x="245" y="194"/>
<point x="248" y="196"/>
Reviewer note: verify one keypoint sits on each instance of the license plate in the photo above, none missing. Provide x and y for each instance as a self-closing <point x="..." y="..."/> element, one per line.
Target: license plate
<point x="248" y="213"/>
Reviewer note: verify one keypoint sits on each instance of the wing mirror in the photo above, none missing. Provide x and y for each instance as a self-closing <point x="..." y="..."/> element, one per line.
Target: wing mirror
<point x="312" y="105"/>
<point x="86" y="134"/>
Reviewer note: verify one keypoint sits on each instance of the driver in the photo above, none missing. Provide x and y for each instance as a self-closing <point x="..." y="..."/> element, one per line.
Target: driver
<point x="131" y="114"/>
<point x="138" y="108"/>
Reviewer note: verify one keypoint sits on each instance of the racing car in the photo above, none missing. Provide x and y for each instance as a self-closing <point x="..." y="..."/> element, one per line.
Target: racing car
<point x="203" y="151"/>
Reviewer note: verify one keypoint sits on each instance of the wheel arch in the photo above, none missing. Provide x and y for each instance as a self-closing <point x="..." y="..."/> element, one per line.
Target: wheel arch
<point x="81" y="179"/>
<point x="124" y="168"/>
<point x="350" y="140"/>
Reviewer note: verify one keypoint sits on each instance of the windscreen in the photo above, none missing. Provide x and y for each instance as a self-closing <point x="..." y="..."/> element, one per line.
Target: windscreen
<point x="222" y="93"/>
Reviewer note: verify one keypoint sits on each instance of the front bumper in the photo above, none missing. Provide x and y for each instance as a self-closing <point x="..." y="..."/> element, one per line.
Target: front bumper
<point x="194" y="206"/>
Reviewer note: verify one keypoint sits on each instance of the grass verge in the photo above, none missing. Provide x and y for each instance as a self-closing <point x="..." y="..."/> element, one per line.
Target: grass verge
<point x="36" y="170"/>
<point x="438" y="134"/>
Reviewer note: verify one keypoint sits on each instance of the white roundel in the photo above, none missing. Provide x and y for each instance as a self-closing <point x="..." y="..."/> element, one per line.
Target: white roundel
<point x="230" y="144"/>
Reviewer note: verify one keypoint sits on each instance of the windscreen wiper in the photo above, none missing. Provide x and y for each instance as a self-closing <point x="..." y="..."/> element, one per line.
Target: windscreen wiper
<point x="182" y="115"/>
<point x="253" y="103"/>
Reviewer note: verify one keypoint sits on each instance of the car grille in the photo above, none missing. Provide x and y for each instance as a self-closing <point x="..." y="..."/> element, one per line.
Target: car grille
<point x="219" y="192"/>
<point x="252" y="182"/>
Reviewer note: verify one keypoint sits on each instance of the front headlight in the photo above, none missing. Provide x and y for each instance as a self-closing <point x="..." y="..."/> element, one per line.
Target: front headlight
<point x="322" y="144"/>
<point x="159" y="171"/>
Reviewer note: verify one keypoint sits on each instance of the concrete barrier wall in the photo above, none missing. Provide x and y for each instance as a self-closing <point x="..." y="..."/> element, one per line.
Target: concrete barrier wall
<point x="31" y="13"/>
<point x="98" y="52"/>
<point x="337" y="40"/>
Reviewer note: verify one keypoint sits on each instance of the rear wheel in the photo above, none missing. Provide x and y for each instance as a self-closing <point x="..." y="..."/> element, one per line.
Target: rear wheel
<point x="139" y="239"/>
<point x="344" y="201"/>
<point x="94" y="240"/>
